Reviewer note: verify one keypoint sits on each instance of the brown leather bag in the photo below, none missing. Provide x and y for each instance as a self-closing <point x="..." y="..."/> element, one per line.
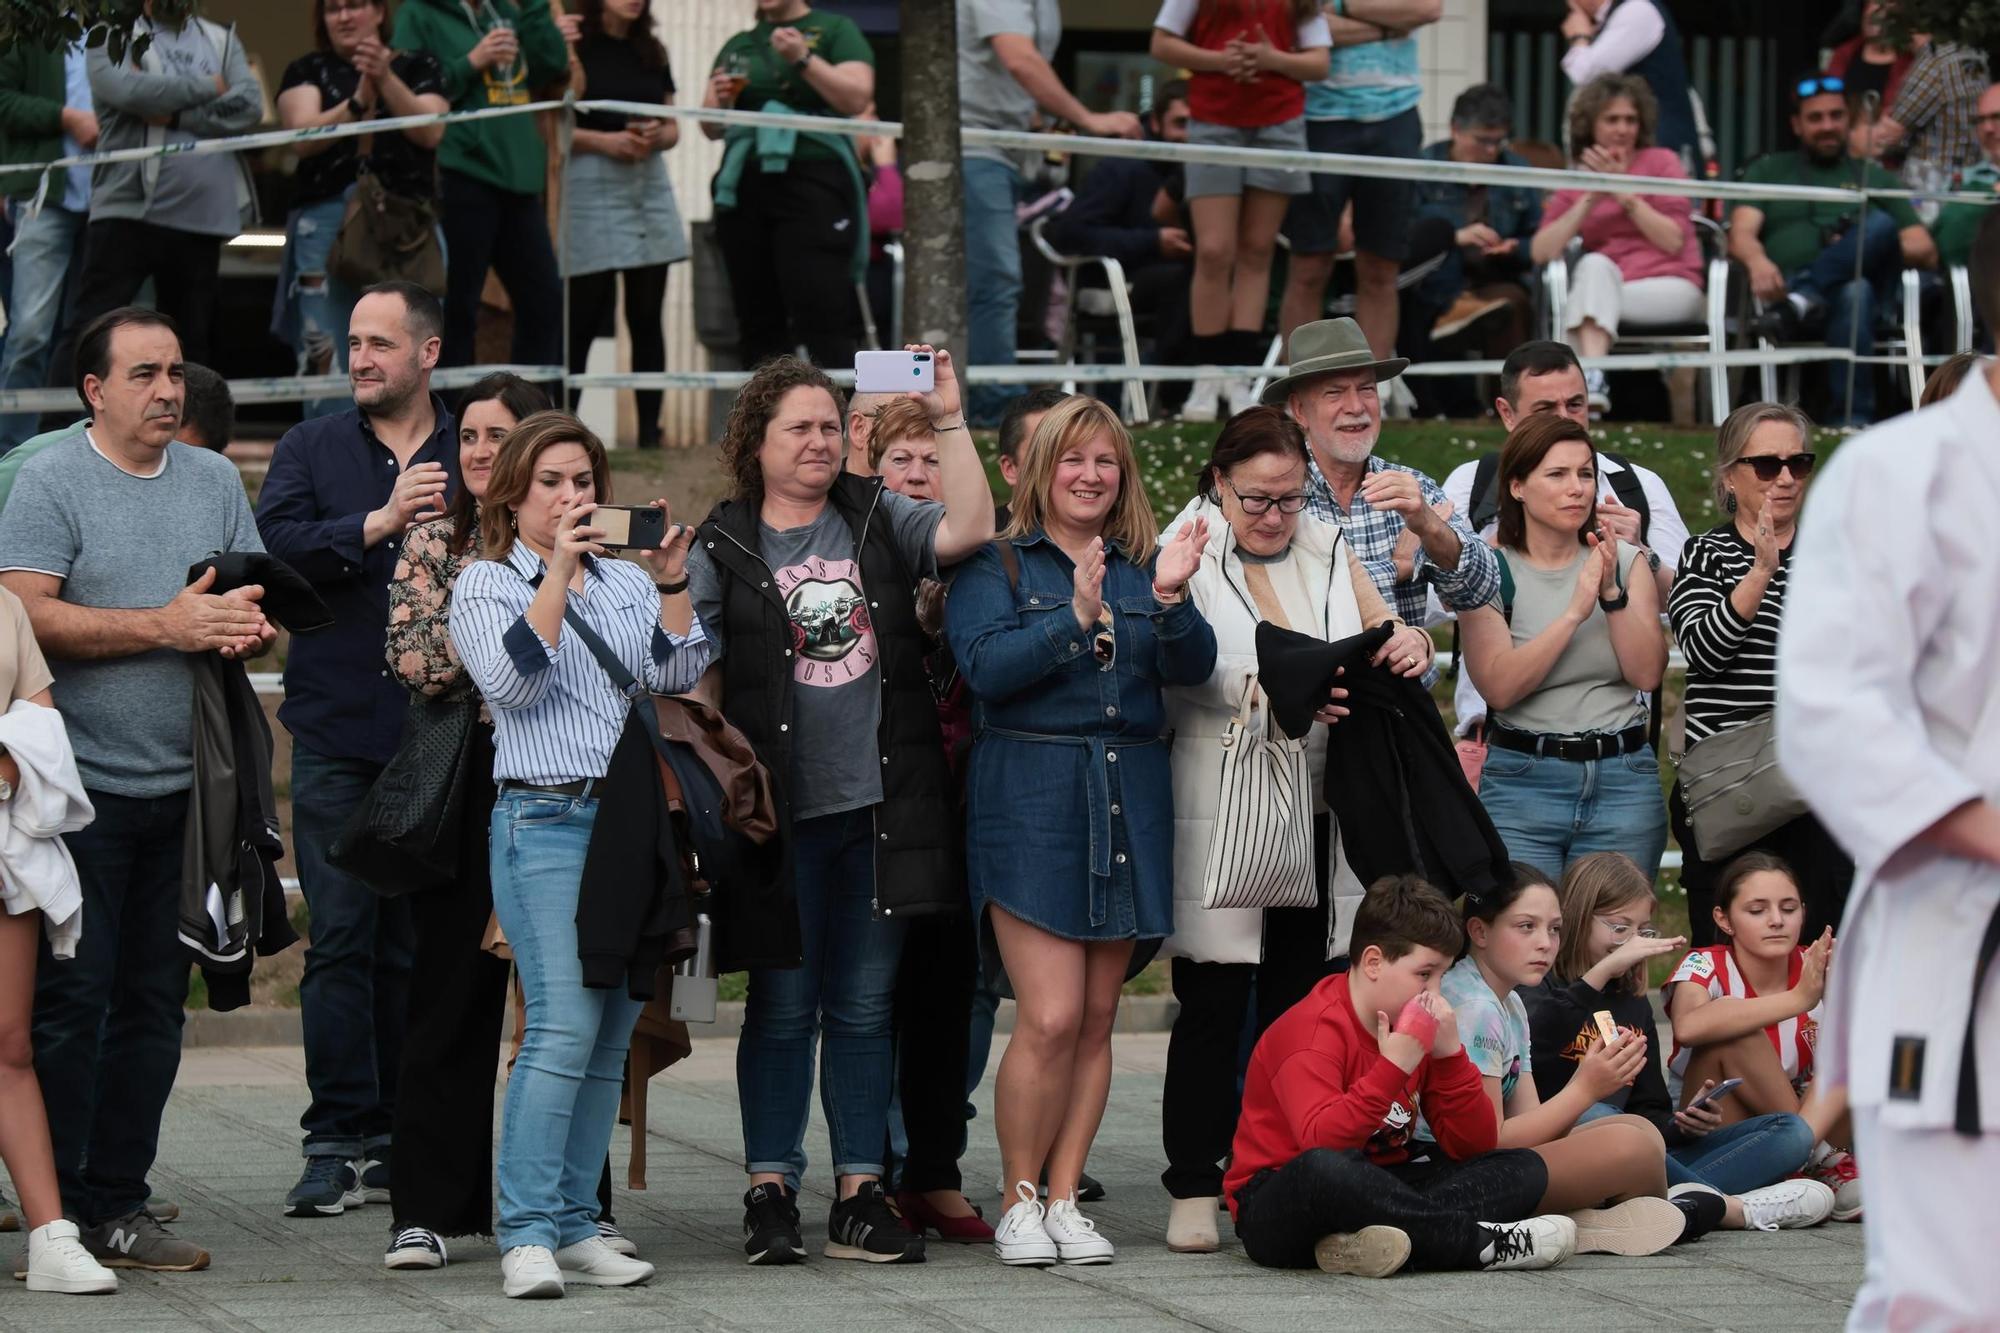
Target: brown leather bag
<point x="747" y="804"/>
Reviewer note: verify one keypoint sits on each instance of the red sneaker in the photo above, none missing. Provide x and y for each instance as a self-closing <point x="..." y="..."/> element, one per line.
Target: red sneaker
<point x="1839" y="1173"/>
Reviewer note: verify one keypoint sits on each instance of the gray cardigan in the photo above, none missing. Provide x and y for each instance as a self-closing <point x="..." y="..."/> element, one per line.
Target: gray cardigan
<point x="128" y="97"/>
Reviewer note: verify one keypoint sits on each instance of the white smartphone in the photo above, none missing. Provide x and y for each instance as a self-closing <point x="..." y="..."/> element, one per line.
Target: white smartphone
<point x="894" y="372"/>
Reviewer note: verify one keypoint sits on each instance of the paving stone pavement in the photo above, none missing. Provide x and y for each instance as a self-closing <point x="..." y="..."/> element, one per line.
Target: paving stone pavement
<point x="230" y="1151"/>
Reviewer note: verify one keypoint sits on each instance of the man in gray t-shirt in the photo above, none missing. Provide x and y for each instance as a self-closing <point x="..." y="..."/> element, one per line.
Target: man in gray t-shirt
<point x="839" y="708"/>
<point x="96" y="541"/>
<point x="1004" y="49"/>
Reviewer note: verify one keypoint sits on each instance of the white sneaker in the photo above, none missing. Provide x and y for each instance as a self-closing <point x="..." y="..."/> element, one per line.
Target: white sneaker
<point x="1374" y="1251"/>
<point x="594" y="1264"/>
<point x="1598" y="393"/>
<point x="1241" y="395"/>
<point x="1787" y="1206"/>
<point x="1191" y="1227"/>
<point x="619" y="1242"/>
<point x="1203" y="401"/>
<point x="1021" y="1239"/>
<point x="57" y="1261"/>
<point x="415" y="1247"/>
<point x="1539" y="1242"/>
<point x="1635" y="1227"/>
<point x="529" y="1272"/>
<point x="1075" y="1235"/>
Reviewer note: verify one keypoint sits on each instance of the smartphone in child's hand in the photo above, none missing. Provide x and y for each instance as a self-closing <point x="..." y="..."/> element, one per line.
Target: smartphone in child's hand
<point x="1716" y="1093"/>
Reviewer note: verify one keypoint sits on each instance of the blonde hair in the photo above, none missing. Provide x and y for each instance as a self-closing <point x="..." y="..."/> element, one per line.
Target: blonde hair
<point x="1733" y="437"/>
<point x="514" y="474"/>
<point x="1070" y="424"/>
<point x="1592" y="886"/>
<point x="897" y="419"/>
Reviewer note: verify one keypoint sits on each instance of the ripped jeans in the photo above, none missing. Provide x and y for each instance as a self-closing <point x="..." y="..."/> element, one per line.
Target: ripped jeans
<point x="309" y="312"/>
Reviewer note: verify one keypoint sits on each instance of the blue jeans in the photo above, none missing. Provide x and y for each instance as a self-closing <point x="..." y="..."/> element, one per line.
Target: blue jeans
<point x="354" y="997"/>
<point x="844" y="990"/>
<point x="310" y="310"/>
<point x="48" y="258"/>
<point x="107" y="1027"/>
<point x="562" y="1100"/>
<point x="1550" y="811"/>
<point x="1735" y="1159"/>
<point x="1851" y="304"/>
<point x="992" y="276"/>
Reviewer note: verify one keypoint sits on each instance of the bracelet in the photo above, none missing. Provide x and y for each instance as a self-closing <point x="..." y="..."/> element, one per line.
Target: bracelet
<point x="940" y="428"/>
<point x="671" y="588"/>
<point x="1173" y="598"/>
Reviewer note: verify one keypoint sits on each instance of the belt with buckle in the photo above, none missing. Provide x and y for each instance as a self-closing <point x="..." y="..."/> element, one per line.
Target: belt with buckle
<point x="1576" y="749"/>
<point x="580" y="787"/>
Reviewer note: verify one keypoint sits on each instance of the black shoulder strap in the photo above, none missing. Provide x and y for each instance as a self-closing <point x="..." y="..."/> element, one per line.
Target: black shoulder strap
<point x="1485" y="492"/>
<point x="627" y="684"/>
<point x="1010" y="560"/>
<point x="1626" y="486"/>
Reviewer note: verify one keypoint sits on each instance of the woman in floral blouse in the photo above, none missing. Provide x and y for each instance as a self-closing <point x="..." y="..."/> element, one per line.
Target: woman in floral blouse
<point x="442" y="1184"/>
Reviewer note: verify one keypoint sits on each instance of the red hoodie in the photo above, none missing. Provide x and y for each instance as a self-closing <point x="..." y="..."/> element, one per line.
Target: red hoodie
<point x="1318" y="1080"/>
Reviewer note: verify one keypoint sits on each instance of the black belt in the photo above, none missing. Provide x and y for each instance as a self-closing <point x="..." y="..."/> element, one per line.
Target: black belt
<point x="1967" y="1120"/>
<point x="581" y="787"/>
<point x="1576" y="749"/>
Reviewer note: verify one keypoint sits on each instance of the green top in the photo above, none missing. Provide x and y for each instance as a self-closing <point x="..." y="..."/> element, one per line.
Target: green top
<point x="11" y="461"/>
<point x="1957" y="224"/>
<point x="1795" y="230"/>
<point x="505" y="152"/>
<point x="32" y="91"/>
<point x="834" y="38"/>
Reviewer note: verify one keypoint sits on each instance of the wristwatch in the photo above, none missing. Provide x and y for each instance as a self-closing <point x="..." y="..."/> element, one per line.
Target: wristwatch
<point x="799" y="65"/>
<point x="1624" y="600"/>
<point x="1652" y="558"/>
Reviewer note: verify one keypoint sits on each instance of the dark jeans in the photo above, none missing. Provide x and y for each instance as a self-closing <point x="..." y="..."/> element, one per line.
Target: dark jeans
<point x="107" y="1027"/>
<point x="787" y="246"/>
<point x="1851" y="304"/>
<point x="490" y="228"/>
<point x="354" y="996"/>
<point x="119" y="254"/>
<point x="933" y="1036"/>
<point x="1282" y="1213"/>
<point x="441" y="1176"/>
<point x="593" y="297"/>
<point x="1202" y="1096"/>
<point x="1824" y="872"/>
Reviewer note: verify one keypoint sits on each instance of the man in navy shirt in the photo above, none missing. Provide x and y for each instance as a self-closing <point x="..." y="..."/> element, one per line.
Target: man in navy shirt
<point x="341" y="492"/>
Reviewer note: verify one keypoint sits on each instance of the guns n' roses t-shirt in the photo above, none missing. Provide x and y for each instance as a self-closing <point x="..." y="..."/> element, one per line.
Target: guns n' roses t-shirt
<point x="836" y="685"/>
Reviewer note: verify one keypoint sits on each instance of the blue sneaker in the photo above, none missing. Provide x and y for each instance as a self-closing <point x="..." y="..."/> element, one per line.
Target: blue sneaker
<point x="328" y="1187"/>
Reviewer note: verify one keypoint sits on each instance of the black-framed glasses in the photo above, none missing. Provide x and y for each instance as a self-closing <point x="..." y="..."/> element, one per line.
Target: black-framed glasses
<point x="1261" y="504"/>
<point x="1817" y="84"/>
<point x="1767" y="466"/>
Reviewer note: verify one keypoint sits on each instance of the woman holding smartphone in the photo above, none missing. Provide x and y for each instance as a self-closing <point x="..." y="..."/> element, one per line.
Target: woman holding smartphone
<point x="557" y="717"/>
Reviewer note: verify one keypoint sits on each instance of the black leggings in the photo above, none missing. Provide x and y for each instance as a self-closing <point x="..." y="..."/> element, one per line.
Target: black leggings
<point x="592" y="298"/>
<point x="1439" y="1205"/>
<point x="788" y="246"/>
<point x="933" y="1032"/>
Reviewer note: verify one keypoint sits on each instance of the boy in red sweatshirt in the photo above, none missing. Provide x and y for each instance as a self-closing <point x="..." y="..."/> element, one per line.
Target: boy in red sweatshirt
<point x="1322" y="1171"/>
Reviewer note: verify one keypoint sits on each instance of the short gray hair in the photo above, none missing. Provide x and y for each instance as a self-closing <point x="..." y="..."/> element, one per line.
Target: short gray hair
<point x="1734" y="437"/>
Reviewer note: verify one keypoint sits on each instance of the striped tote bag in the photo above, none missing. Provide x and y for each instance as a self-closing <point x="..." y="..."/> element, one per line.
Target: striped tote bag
<point x="1261" y="854"/>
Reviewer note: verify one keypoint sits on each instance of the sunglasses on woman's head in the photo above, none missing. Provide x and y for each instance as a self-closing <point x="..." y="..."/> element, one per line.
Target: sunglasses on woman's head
<point x="1766" y="466"/>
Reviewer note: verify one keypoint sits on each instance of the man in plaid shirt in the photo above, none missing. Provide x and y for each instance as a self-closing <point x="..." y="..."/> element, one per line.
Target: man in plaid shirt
<point x="1402" y="526"/>
<point x="1933" y="115"/>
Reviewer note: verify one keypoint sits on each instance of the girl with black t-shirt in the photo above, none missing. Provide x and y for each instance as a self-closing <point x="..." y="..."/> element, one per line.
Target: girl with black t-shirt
<point x="351" y="76"/>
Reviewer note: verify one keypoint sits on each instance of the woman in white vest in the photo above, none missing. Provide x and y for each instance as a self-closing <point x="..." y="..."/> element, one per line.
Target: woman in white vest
<point x="1266" y="560"/>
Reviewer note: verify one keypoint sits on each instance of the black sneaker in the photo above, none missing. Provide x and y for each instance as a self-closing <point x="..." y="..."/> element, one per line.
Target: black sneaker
<point x="771" y="1226"/>
<point x="870" y="1227"/>
<point x="374" y="1171"/>
<point x="415" y="1247"/>
<point x="328" y="1187"/>
<point x="1701" y="1212"/>
<point x="1089" y="1189"/>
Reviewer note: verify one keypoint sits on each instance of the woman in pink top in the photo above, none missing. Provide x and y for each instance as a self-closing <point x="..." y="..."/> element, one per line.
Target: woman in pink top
<point x="1640" y="263"/>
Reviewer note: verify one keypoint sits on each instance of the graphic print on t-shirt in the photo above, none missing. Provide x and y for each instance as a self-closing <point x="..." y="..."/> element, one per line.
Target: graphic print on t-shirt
<point x="1393" y="1135"/>
<point x="831" y="634"/>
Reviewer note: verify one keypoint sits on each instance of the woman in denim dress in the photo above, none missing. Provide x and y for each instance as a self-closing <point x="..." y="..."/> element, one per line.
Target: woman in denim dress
<point x="1066" y="630"/>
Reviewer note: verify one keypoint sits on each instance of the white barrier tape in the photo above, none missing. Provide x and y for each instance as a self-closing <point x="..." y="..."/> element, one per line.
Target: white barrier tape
<point x="1462" y="173"/>
<point x="287" y="388"/>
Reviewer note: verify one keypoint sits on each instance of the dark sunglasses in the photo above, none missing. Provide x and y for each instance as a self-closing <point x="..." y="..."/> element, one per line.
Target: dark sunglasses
<point x="1813" y="87"/>
<point x="1767" y="466"/>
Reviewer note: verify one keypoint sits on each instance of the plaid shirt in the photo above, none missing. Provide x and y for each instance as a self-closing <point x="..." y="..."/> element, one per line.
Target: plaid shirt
<point x="1936" y="102"/>
<point x="1373" y="532"/>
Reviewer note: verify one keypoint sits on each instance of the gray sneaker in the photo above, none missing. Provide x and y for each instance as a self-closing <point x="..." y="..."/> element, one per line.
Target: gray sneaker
<point x="137" y="1241"/>
<point x="162" y="1210"/>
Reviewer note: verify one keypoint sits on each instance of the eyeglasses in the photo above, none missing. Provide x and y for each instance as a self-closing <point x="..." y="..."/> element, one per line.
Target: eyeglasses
<point x="1621" y="930"/>
<point x="1766" y="466"/>
<point x="1813" y="87"/>
<point x="1261" y="504"/>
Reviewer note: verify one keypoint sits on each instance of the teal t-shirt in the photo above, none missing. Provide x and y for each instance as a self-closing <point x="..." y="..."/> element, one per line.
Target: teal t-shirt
<point x="1493" y="1030"/>
<point x="1369" y="82"/>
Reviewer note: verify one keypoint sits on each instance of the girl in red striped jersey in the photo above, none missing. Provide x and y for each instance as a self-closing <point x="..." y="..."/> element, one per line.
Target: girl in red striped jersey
<point x="1749" y="1008"/>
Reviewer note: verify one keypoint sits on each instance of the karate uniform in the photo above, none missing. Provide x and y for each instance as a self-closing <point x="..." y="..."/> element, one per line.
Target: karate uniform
<point x="1889" y="719"/>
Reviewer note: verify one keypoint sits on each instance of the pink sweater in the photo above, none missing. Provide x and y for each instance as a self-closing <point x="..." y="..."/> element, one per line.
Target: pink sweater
<point x="1607" y="231"/>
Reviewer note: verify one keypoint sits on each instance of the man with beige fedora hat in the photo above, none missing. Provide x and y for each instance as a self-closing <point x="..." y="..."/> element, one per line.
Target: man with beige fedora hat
<point x="1402" y="526"/>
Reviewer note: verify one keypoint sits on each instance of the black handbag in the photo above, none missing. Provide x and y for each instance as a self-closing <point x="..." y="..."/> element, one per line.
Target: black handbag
<point x="406" y="835"/>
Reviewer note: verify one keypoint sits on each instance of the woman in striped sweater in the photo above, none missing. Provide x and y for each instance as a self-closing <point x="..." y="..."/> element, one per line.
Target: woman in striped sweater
<point x="1725" y="608"/>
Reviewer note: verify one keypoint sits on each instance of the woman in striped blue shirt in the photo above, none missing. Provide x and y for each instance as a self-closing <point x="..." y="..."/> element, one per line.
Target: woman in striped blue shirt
<point x="557" y="716"/>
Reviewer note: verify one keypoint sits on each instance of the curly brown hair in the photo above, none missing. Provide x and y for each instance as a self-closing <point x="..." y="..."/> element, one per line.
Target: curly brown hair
<point x="750" y="416"/>
<point x="1591" y="100"/>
